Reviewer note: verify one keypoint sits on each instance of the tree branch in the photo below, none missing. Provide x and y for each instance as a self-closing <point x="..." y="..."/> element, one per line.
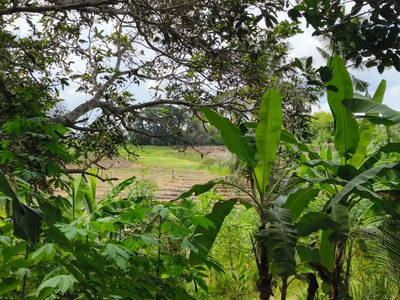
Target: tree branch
<point x="70" y="6"/>
<point x="77" y="171"/>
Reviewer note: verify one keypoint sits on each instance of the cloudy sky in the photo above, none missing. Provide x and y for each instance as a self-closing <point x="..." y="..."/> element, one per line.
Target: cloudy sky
<point x="302" y="45"/>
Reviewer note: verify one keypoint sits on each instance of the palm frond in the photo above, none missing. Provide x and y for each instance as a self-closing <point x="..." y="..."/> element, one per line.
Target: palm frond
<point x="324" y="53"/>
<point x="359" y="85"/>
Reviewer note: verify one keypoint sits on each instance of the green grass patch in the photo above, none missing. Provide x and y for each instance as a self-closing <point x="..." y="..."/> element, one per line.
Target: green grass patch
<point x="168" y="158"/>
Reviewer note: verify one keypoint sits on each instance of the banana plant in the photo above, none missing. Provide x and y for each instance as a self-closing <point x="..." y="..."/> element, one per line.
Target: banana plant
<point x="353" y="179"/>
<point x="277" y="235"/>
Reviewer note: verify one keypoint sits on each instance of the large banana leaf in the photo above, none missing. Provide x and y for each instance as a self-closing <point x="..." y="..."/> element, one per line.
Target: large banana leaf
<point x="346" y="172"/>
<point x="80" y="188"/>
<point x="356" y="184"/>
<point x="204" y="238"/>
<point x="282" y="240"/>
<point x="26" y="221"/>
<point x="389" y="116"/>
<point x="298" y="201"/>
<point x="346" y="127"/>
<point x="367" y="128"/>
<point x="289" y="138"/>
<point x="199" y="189"/>
<point x="340" y="214"/>
<point x="111" y="208"/>
<point x="115" y="191"/>
<point x="315" y="221"/>
<point x="327" y="250"/>
<point x="268" y="136"/>
<point x="230" y="134"/>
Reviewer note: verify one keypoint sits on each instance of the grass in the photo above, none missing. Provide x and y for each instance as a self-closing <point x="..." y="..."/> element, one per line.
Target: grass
<point x="169" y="158"/>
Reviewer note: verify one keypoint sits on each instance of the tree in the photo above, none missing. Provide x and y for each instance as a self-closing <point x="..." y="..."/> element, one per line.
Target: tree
<point x="374" y="41"/>
<point x="187" y="52"/>
<point x="322" y="128"/>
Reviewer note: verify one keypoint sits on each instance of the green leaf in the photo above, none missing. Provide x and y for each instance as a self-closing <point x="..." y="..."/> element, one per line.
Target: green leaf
<point x="389" y="116"/>
<point x="367" y="128"/>
<point x="93" y="186"/>
<point x="313" y="222"/>
<point x="230" y="134"/>
<point x="340" y="214"/>
<point x="112" y="208"/>
<point x="118" y="254"/>
<point x="346" y="128"/>
<point x="308" y="254"/>
<point x="62" y="282"/>
<point x="346" y="172"/>
<point x="282" y="240"/>
<point x="355" y="185"/>
<point x="298" y="201"/>
<point x="204" y="239"/>
<point x="268" y="135"/>
<point x="289" y="138"/>
<point x="119" y="188"/>
<point x="27" y="222"/>
<point x="8" y="284"/>
<point x="79" y="190"/>
<point x="327" y="250"/>
<point x="45" y="251"/>
<point x="199" y="189"/>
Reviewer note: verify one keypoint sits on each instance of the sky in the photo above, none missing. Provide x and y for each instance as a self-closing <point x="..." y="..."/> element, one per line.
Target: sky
<point x="302" y="45"/>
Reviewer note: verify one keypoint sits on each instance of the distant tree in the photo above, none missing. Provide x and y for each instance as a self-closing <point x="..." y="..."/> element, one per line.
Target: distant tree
<point x="321" y="128"/>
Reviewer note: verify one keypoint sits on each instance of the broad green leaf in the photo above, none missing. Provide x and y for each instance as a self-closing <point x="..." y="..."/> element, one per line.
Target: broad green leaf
<point x="327" y="250"/>
<point x="112" y="208"/>
<point x="186" y="244"/>
<point x="367" y="129"/>
<point x="268" y="135"/>
<point x="79" y="190"/>
<point x="308" y="254"/>
<point x="199" y="189"/>
<point x="341" y="215"/>
<point x="290" y="139"/>
<point x="7" y="285"/>
<point x="346" y="172"/>
<point x="390" y="147"/>
<point x="355" y="185"/>
<point x="282" y="240"/>
<point x="205" y="238"/>
<point x="388" y="116"/>
<point x="313" y="222"/>
<point x="298" y="201"/>
<point x="93" y="185"/>
<point x="26" y="221"/>
<point x="346" y="127"/>
<point x="115" y="191"/>
<point x="61" y="282"/>
<point x="118" y="254"/>
<point x="45" y="251"/>
<point x="230" y="134"/>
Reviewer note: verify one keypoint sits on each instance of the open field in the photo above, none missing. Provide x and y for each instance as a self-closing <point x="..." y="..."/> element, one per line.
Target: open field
<point x="169" y="171"/>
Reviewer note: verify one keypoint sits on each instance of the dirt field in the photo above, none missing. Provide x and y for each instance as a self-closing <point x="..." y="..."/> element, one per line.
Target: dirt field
<point x="169" y="171"/>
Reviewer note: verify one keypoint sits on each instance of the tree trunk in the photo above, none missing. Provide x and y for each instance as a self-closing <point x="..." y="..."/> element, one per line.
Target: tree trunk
<point x="312" y="286"/>
<point x="284" y="288"/>
<point x="335" y="286"/>
<point x="348" y="266"/>
<point x="264" y="283"/>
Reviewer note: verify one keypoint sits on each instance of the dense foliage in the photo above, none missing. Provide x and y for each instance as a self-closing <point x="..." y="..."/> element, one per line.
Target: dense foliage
<point x="312" y="222"/>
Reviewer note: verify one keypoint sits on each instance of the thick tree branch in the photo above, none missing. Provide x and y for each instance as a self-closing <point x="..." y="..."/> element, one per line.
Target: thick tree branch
<point x="64" y="7"/>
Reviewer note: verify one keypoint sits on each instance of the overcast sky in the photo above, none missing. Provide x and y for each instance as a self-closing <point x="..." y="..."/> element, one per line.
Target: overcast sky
<point x="302" y="45"/>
